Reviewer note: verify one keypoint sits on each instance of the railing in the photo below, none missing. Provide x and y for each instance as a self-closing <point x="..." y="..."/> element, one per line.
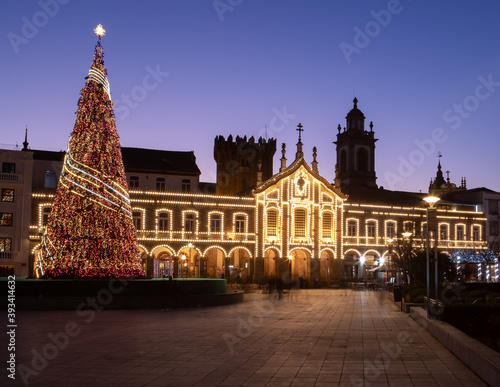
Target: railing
<point x="9" y="176"/>
<point x="5" y="255"/>
<point x="200" y="236"/>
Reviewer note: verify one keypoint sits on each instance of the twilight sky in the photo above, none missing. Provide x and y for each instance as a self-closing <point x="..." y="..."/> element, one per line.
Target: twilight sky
<point x="427" y="73"/>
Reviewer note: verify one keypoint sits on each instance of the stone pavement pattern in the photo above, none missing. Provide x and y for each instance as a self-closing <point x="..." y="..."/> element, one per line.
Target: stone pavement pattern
<point x="308" y="338"/>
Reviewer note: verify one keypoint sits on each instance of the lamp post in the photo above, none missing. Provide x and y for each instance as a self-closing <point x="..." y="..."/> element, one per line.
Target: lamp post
<point x="183" y="262"/>
<point x="381" y="262"/>
<point x="406" y="236"/>
<point x="430" y="200"/>
<point x="190" y="245"/>
<point x="389" y="257"/>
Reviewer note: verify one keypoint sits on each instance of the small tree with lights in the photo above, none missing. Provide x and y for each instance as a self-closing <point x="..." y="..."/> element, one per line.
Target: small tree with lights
<point x="90" y="230"/>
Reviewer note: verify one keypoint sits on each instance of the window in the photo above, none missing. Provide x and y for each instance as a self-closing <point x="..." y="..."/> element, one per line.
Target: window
<point x="390" y="230"/>
<point x="163" y="221"/>
<point x="136" y="215"/>
<point x="460" y="233"/>
<point x="186" y="185"/>
<point x="443" y="232"/>
<point x="272" y="222"/>
<point x="215" y="222"/>
<point x="300" y="223"/>
<point x="7" y="195"/>
<point x="343" y="161"/>
<point x="45" y="215"/>
<point x="190" y="222"/>
<point x="493" y="207"/>
<point x="370" y="229"/>
<point x="134" y="182"/>
<point x="327" y="225"/>
<point x="494" y="228"/>
<point x="5" y="245"/>
<point x="362" y="160"/>
<point x="408" y="227"/>
<point x="475" y="233"/>
<point x="160" y="184"/>
<point x="50" y="179"/>
<point x="351" y="228"/>
<point x="239" y="226"/>
<point x="6" y="219"/>
<point x="8" y="167"/>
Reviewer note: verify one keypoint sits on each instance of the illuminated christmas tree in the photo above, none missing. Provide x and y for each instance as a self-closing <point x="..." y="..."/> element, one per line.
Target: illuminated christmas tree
<point x="90" y="231"/>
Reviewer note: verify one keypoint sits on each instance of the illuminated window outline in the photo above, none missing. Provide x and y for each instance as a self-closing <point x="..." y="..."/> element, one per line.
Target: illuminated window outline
<point x="215" y="222"/>
<point x="139" y="220"/>
<point x="352" y="232"/>
<point x="327" y="225"/>
<point x="476" y="232"/>
<point x="394" y="228"/>
<point x="300" y="229"/>
<point x="237" y="223"/>
<point x="460" y="232"/>
<point x="160" y="220"/>
<point x="444" y="231"/>
<point x="272" y="222"/>
<point x="371" y="229"/>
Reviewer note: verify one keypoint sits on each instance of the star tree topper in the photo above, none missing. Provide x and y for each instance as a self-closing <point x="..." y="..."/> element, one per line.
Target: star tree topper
<point x="100" y="31"/>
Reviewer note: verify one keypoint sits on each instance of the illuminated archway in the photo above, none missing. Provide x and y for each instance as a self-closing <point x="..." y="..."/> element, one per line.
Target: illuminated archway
<point x="216" y="262"/>
<point x="326" y="263"/>
<point x="163" y="261"/>
<point x="300" y="260"/>
<point x="351" y="264"/>
<point x="239" y="261"/>
<point x="271" y="261"/>
<point x="190" y="264"/>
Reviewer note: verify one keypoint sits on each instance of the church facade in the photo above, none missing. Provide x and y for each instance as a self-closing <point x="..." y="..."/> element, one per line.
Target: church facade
<point x="256" y="224"/>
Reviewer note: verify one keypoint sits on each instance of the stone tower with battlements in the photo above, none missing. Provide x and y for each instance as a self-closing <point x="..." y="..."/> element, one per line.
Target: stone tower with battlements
<point x="242" y="163"/>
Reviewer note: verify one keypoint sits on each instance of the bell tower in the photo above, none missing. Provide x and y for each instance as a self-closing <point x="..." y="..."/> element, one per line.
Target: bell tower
<point x="355" y="166"/>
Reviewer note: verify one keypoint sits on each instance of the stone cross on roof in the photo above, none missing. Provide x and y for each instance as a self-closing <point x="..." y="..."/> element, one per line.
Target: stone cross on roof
<point x="300" y="130"/>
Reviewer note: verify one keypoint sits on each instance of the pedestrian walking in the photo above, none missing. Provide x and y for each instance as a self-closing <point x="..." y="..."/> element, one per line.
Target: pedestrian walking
<point x="279" y="287"/>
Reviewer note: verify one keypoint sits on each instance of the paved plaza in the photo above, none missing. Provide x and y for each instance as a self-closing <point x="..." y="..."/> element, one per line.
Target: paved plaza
<point x="308" y="338"/>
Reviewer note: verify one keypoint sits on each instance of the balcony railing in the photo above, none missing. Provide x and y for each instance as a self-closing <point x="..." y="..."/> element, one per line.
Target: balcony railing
<point x="5" y="255"/>
<point x="200" y="236"/>
<point x="9" y="176"/>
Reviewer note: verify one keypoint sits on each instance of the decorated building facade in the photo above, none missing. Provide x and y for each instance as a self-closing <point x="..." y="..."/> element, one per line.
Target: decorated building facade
<point x="255" y="224"/>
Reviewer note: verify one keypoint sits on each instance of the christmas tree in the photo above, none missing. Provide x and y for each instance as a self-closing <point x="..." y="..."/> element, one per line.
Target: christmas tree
<point x="90" y="230"/>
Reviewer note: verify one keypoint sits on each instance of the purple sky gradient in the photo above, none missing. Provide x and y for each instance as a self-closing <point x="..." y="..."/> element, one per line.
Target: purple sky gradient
<point x="235" y="71"/>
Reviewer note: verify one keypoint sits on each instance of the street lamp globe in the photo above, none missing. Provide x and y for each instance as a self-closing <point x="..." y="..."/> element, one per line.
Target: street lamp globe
<point x="431" y="200"/>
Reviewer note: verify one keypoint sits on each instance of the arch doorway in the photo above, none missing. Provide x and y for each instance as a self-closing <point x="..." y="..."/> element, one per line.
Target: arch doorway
<point x="189" y="262"/>
<point x="239" y="264"/>
<point x="271" y="261"/>
<point x="326" y="264"/>
<point x="300" y="260"/>
<point x="214" y="258"/>
<point x="351" y="265"/>
<point x="163" y="262"/>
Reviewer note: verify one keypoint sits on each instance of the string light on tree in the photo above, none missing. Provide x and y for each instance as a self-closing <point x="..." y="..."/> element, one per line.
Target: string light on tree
<point x="90" y="231"/>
